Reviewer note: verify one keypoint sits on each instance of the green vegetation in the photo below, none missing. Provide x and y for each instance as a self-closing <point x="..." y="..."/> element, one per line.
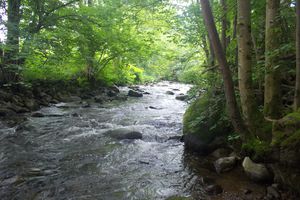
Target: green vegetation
<point x="206" y="118"/>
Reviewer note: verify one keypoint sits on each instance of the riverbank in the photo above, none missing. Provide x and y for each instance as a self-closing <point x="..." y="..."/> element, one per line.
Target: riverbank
<point x="17" y="100"/>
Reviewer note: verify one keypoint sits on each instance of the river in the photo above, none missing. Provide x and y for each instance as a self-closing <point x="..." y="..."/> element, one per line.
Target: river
<point x="67" y="155"/>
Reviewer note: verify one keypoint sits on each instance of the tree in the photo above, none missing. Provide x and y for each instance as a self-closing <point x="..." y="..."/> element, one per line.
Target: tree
<point x="11" y="58"/>
<point x="224" y="25"/>
<point x="272" y="100"/>
<point x="297" y="90"/>
<point x="249" y="108"/>
<point x="234" y="113"/>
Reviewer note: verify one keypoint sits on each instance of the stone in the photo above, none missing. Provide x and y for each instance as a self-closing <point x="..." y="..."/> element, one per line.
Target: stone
<point x="256" y="171"/>
<point x="133" y="93"/>
<point x="247" y="191"/>
<point x="5" y="112"/>
<point x="170" y="93"/>
<point x="111" y="93"/>
<point x="178" y="138"/>
<point x="221" y="152"/>
<point x="181" y="97"/>
<point x="225" y="164"/>
<point x="31" y="104"/>
<point x="98" y="99"/>
<point x="75" y="115"/>
<point x="272" y="192"/>
<point x="124" y="133"/>
<point x="213" y="189"/>
<point x="37" y="114"/>
<point x="154" y="108"/>
<point x="85" y="105"/>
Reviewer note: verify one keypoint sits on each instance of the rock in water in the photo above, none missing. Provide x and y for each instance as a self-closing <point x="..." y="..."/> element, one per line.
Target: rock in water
<point x="170" y="93"/>
<point x="133" y="93"/>
<point x="256" y="172"/>
<point x="124" y="133"/>
<point x="225" y="164"/>
<point x="182" y="97"/>
<point x="37" y="114"/>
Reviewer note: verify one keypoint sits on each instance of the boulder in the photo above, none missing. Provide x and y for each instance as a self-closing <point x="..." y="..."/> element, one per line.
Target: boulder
<point x="255" y="171"/>
<point x="133" y="93"/>
<point x="286" y="145"/>
<point x="181" y="97"/>
<point x="124" y="133"/>
<point x="203" y="130"/>
<point x="225" y="164"/>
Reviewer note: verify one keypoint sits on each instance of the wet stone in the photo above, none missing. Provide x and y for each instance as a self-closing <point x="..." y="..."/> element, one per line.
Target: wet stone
<point x="213" y="190"/>
<point x="133" y="93"/>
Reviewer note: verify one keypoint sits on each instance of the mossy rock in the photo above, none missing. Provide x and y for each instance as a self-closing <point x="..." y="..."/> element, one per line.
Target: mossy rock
<point x="286" y="140"/>
<point x="258" y="150"/>
<point x="203" y="121"/>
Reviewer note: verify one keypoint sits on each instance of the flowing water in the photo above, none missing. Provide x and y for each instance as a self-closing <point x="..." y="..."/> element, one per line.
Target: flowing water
<point x="67" y="156"/>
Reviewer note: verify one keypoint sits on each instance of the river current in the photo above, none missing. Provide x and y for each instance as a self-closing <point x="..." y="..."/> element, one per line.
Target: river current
<point x="66" y="155"/>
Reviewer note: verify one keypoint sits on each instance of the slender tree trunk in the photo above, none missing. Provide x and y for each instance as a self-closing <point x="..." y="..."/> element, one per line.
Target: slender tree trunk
<point x="272" y="105"/>
<point x="224" y="25"/>
<point x="234" y="36"/>
<point x="212" y="53"/>
<point x="249" y="108"/>
<point x="297" y="91"/>
<point x="205" y="47"/>
<point x="90" y="58"/>
<point x="226" y="73"/>
<point x="11" y="56"/>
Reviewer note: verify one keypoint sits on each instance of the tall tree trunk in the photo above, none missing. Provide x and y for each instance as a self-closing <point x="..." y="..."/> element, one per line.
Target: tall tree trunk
<point x="224" y="25"/>
<point x="234" y="36"/>
<point x="297" y="91"/>
<point x="249" y="108"/>
<point x="211" y="54"/>
<point x="226" y="73"/>
<point x="12" y="41"/>
<point x="272" y="104"/>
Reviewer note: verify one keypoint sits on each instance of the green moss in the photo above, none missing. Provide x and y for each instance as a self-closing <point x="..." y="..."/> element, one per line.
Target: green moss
<point x="257" y="149"/>
<point x="278" y="136"/>
<point x="206" y="117"/>
<point x="292" y="141"/>
<point x="286" y="132"/>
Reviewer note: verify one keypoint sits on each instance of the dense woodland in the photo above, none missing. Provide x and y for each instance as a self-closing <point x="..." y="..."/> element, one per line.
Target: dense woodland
<point x="242" y="56"/>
